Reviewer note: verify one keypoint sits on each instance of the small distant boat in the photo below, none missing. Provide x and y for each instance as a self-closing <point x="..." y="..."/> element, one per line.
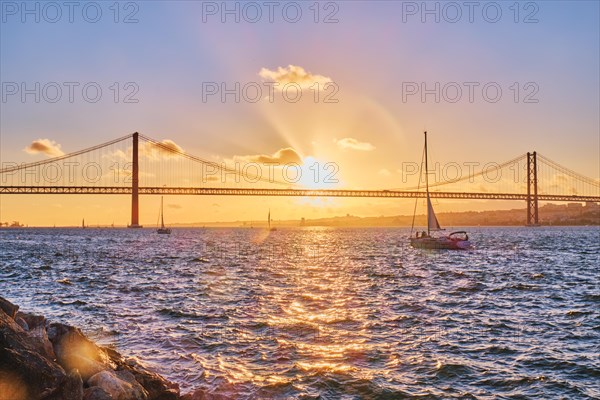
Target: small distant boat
<point x="424" y="240"/>
<point x="162" y="230"/>
<point x="269" y="222"/>
<point x="83" y="224"/>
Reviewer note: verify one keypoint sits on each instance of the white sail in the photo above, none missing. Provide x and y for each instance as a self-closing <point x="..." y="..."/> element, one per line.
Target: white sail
<point x="163" y="229"/>
<point x="432" y="222"/>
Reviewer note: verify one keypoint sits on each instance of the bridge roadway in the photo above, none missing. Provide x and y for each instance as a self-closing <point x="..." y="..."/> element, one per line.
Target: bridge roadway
<point x="207" y="191"/>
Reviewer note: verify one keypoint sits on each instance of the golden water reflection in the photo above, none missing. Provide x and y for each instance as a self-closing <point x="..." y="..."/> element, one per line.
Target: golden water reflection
<point x="318" y="320"/>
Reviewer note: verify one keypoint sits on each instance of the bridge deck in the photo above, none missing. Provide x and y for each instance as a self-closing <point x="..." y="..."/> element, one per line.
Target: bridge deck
<point x="207" y="191"/>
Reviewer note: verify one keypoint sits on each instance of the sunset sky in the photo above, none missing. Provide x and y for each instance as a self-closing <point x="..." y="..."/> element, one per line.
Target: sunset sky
<point x="371" y="57"/>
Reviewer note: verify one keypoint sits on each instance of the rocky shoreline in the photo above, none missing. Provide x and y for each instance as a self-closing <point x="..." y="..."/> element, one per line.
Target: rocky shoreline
<point x="43" y="360"/>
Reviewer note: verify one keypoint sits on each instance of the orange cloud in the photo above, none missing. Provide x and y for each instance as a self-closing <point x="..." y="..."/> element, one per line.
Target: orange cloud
<point x="353" y="144"/>
<point x="44" y="146"/>
<point x="282" y="156"/>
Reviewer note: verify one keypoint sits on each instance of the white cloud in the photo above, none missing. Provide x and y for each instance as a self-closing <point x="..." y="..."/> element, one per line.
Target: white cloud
<point x="293" y="74"/>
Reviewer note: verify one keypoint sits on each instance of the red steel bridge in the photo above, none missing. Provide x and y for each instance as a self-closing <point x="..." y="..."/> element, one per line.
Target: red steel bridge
<point x="138" y="165"/>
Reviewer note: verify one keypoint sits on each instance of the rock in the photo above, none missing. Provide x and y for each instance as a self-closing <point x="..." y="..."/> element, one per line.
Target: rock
<point x="72" y="389"/>
<point x="34" y="356"/>
<point x="74" y="350"/>
<point x="74" y="386"/>
<point x="36" y="327"/>
<point x="158" y="388"/>
<point x="9" y="308"/>
<point x="42" y="343"/>
<point x="12" y="386"/>
<point x="205" y="394"/>
<point x="96" y="393"/>
<point x="88" y="367"/>
<point x="21" y="322"/>
<point x="32" y="320"/>
<point x="24" y="373"/>
<point x="130" y="378"/>
<point x="118" y="388"/>
<point x="196" y="395"/>
<point x="169" y="394"/>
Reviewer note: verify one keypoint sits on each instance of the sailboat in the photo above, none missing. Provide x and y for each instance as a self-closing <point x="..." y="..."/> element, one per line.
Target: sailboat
<point x="162" y="229"/>
<point x="269" y="222"/>
<point x="83" y="224"/>
<point x="424" y="240"/>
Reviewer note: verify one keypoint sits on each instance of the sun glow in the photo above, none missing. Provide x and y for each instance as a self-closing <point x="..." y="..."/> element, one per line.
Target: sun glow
<point x="317" y="174"/>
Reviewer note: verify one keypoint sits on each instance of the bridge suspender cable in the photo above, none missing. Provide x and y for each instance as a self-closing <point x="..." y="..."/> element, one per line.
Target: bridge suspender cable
<point x="211" y="163"/>
<point x="569" y="172"/>
<point x="472" y="176"/>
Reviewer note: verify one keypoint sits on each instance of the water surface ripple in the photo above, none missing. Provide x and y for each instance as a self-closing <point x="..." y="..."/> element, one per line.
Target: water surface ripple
<point x="327" y="313"/>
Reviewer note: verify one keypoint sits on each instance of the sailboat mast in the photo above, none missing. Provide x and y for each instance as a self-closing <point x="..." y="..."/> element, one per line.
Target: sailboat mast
<point x="162" y="217"/>
<point x="269" y="218"/>
<point x="427" y="182"/>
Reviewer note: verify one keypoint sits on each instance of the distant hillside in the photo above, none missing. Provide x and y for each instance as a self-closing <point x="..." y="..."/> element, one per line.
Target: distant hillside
<point x="549" y="214"/>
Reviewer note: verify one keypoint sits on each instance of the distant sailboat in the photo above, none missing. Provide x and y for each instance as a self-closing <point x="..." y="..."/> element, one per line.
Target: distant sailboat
<point x="83" y="223"/>
<point x="269" y="222"/>
<point x="162" y="230"/>
<point x="455" y="241"/>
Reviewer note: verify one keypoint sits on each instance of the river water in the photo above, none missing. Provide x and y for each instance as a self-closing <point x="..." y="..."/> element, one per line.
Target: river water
<point x="327" y="313"/>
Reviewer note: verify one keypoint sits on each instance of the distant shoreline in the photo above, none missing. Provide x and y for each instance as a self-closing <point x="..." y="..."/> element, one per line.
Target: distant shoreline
<point x="572" y="214"/>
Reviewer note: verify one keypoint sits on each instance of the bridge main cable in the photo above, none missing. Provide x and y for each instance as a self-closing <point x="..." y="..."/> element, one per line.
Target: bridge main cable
<point x="65" y="156"/>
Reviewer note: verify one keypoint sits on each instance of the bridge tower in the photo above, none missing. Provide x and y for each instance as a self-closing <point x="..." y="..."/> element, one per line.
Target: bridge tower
<point x="135" y="211"/>
<point x="532" y="190"/>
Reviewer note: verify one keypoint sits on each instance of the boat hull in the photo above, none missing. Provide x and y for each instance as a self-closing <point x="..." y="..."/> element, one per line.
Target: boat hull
<point x="163" y="231"/>
<point x="442" y="243"/>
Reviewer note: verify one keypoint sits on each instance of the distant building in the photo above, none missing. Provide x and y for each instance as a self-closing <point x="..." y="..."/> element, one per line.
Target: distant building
<point x="554" y="207"/>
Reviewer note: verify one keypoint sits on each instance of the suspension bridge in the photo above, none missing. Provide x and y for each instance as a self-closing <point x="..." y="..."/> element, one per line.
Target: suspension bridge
<point x="138" y="165"/>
